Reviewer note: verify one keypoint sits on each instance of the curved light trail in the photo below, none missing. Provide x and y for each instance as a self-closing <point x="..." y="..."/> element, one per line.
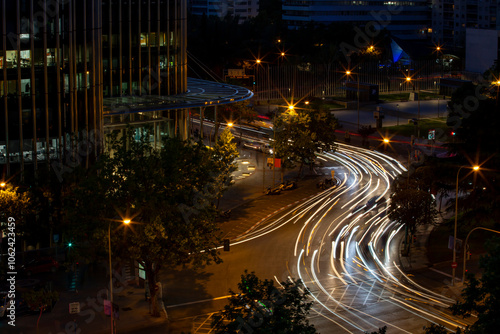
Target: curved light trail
<point x="345" y="243"/>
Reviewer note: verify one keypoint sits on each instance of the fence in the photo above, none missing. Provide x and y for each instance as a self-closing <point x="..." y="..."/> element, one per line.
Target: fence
<point x="328" y="80"/>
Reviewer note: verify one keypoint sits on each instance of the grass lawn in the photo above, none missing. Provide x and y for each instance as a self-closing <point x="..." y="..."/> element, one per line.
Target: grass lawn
<point x="405" y="95"/>
<point x="425" y="125"/>
<point x="333" y="105"/>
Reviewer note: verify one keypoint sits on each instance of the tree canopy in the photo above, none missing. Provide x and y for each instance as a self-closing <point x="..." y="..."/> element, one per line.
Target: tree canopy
<point x="301" y="132"/>
<point x="411" y="205"/>
<point x="262" y="307"/>
<point x="169" y="195"/>
<point x="481" y="296"/>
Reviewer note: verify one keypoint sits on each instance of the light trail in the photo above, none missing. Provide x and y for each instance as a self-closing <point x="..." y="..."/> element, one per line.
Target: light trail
<point x="360" y="240"/>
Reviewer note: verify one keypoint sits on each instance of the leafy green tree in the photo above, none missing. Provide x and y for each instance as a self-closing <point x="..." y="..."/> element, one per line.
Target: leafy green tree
<point x="481" y="296"/>
<point x="16" y="204"/>
<point x="224" y="154"/>
<point x="13" y="202"/>
<point x="411" y="206"/>
<point x="169" y="195"/>
<point x="239" y="112"/>
<point x="262" y="307"/>
<point x="435" y="329"/>
<point x="300" y="133"/>
<point x="365" y="131"/>
<point x="382" y="330"/>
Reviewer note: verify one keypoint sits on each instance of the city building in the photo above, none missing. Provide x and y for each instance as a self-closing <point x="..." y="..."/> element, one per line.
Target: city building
<point x="73" y="70"/>
<point x="404" y="19"/>
<point x="221" y="8"/>
<point x="451" y="18"/>
<point x="481" y="49"/>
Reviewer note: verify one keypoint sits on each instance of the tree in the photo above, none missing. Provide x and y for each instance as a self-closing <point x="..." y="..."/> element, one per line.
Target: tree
<point x="13" y="202"/>
<point x="16" y="204"/>
<point x="382" y="330"/>
<point x="40" y="300"/>
<point x="168" y="193"/>
<point x="239" y="112"/>
<point x="300" y="133"/>
<point x="481" y="297"/>
<point x="365" y="131"/>
<point x="261" y="307"/>
<point x="224" y="154"/>
<point x="412" y="207"/>
<point x="435" y="329"/>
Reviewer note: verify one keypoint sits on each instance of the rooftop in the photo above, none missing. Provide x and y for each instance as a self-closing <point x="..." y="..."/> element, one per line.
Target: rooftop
<point x="200" y="93"/>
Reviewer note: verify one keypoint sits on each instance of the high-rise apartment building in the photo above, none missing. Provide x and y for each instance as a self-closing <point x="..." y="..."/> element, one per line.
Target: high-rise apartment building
<point x="451" y="18"/>
<point x="221" y="8"/>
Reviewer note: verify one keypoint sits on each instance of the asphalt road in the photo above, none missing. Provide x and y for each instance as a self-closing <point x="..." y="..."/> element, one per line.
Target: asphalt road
<point x="346" y="253"/>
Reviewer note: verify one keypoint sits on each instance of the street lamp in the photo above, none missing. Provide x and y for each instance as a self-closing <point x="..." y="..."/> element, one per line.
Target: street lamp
<point x="475" y="168"/>
<point x="409" y="79"/>
<point x="467" y="239"/>
<point x="348" y="73"/>
<point x="439" y="54"/>
<point x="397" y="106"/>
<point x="110" y="296"/>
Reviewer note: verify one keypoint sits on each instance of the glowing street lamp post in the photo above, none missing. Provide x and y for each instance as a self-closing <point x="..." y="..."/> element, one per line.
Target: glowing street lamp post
<point x="409" y="79"/>
<point x="467" y="239"/>
<point x="475" y="168"/>
<point x="110" y="297"/>
<point x="348" y="73"/>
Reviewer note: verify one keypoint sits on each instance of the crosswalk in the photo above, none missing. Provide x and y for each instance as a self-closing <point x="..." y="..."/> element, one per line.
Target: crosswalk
<point x="202" y="324"/>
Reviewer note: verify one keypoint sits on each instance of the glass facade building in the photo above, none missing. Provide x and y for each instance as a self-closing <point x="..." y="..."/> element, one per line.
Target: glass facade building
<point x="409" y="20"/>
<point x="75" y="69"/>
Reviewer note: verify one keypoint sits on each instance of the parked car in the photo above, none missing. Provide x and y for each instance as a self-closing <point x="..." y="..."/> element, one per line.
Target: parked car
<point x="251" y="145"/>
<point x="40" y="265"/>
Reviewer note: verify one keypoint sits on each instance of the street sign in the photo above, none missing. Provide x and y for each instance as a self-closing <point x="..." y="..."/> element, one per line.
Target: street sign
<point x="74" y="308"/>
<point x="454" y="264"/>
<point x="432" y="134"/>
<point x="107" y="307"/>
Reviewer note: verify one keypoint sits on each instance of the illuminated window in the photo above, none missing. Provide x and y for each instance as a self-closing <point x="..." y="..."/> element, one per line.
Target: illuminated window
<point x="144" y="39"/>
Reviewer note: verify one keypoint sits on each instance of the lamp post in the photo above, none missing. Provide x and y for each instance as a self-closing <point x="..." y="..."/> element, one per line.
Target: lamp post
<point x="475" y="168"/>
<point x="409" y="79"/>
<point x="348" y="73"/>
<point x="440" y="58"/>
<point x="110" y="297"/>
<point x="467" y="239"/>
<point x="397" y="106"/>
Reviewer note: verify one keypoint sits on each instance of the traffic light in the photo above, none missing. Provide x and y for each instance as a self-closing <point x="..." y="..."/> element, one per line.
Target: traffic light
<point x="70" y="244"/>
<point x="453" y="133"/>
<point x="226" y="245"/>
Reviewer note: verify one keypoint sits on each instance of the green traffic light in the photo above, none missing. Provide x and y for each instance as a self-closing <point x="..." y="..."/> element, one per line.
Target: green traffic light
<point x="70" y="244"/>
